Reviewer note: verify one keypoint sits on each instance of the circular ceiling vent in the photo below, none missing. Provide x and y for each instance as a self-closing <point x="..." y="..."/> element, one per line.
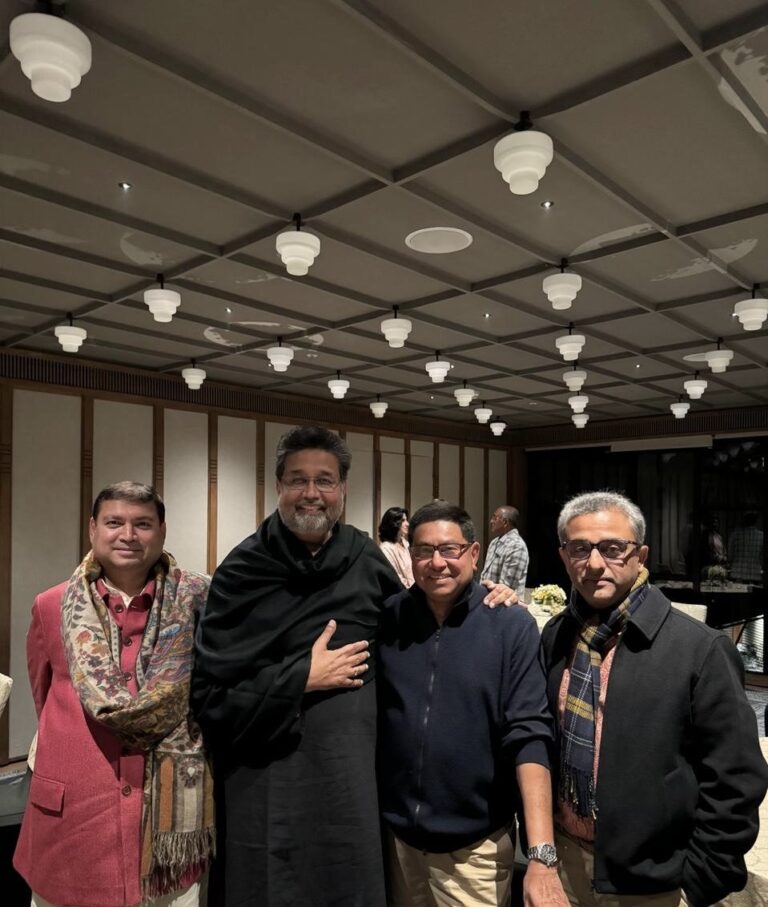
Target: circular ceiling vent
<point x="438" y="240"/>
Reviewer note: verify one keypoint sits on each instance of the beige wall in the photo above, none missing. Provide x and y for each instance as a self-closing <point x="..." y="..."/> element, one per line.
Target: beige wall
<point x="217" y="480"/>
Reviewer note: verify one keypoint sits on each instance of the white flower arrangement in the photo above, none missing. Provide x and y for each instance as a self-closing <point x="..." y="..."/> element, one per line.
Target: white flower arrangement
<point x="551" y="598"/>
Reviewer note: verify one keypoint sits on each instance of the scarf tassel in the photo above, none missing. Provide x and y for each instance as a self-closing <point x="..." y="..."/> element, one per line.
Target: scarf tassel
<point x="175" y="855"/>
<point x="577" y="788"/>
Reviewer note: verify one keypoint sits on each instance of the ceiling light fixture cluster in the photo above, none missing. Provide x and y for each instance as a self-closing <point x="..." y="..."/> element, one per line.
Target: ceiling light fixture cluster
<point x="523" y="156"/>
<point x="297" y="249"/>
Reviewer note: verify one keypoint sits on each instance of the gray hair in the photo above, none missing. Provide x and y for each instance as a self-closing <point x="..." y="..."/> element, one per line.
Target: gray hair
<point x="594" y="501"/>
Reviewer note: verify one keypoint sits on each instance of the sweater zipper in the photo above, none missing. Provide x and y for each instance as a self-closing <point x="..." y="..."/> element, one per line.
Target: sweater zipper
<point x="424" y="725"/>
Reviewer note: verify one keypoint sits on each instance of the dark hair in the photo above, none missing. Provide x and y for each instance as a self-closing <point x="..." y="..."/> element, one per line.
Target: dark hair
<point x="439" y="510"/>
<point x="135" y="492"/>
<point x="390" y="523"/>
<point x="312" y="437"/>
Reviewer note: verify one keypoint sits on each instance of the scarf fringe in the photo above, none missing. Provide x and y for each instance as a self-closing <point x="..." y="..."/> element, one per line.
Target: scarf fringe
<point x="174" y="855"/>
<point x="578" y="789"/>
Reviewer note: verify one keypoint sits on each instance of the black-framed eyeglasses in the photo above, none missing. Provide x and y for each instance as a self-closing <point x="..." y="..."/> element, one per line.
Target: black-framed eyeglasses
<point x="301" y="483"/>
<point x="608" y="549"/>
<point x="450" y="551"/>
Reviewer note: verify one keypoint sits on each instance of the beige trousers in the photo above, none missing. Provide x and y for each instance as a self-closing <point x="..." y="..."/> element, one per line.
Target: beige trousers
<point x="476" y="876"/>
<point x="576" y="871"/>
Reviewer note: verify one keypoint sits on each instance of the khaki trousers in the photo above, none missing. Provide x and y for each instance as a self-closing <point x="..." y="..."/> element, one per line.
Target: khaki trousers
<point x="190" y="897"/>
<point x="476" y="876"/>
<point x="576" y="871"/>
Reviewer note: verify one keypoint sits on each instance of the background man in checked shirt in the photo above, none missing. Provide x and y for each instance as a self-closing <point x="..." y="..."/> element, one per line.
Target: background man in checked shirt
<point x="506" y="560"/>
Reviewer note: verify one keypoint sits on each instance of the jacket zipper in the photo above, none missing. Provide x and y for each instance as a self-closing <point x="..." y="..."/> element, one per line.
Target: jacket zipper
<point x="424" y="726"/>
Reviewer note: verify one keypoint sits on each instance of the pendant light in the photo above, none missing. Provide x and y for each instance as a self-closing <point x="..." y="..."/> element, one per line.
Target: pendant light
<point x="464" y="395"/>
<point x="297" y="248"/>
<point x="378" y="407"/>
<point x="574" y="378"/>
<point x="695" y="386"/>
<point x="194" y="376"/>
<point x="70" y="337"/>
<point x="54" y="54"/>
<point x="561" y="289"/>
<point x="498" y="428"/>
<point x="438" y="368"/>
<point x="396" y="330"/>
<point x="570" y="345"/>
<point x="523" y="156"/>
<point x="680" y="408"/>
<point x="280" y="356"/>
<point x="752" y="312"/>
<point x="578" y="403"/>
<point x="338" y="386"/>
<point x="162" y="302"/>
<point x="580" y="419"/>
<point x="483" y="413"/>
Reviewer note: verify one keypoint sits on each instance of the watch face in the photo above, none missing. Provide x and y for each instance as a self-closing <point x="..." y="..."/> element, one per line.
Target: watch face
<point x="544" y="853"/>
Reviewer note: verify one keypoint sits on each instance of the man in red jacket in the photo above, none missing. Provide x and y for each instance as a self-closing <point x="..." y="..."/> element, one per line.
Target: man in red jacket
<point x="120" y="807"/>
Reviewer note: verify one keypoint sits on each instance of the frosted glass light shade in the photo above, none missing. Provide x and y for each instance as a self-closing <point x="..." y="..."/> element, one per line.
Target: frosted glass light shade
<point x="280" y="357"/>
<point x="54" y="54"/>
<point x="522" y="158"/>
<point x="561" y="289"/>
<point x="719" y="360"/>
<point x="483" y="414"/>
<point x="70" y="337"/>
<point x="574" y="379"/>
<point x="298" y="250"/>
<point x="464" y="395"/>
<point x="751" y="313"/>
<point x="580" y="419"/>
<point x="338" y="387"/>
<point x="437" y="369"/>
<point x="680" y="409"/>
<point x="396" y="331"/>
<point x="570" y="346"/>
<point x="498" y="428"/>
<point x="162" y="303"/>
<point x="579" y="403"/>
<point x="695" y="387"/>
<point x="378" y="408"/>
<point x="194" y="377"/>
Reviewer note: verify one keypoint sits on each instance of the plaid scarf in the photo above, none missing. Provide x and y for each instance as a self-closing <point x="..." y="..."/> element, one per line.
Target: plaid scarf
<point x="177" y="830"/>
<point x="577" y="752"/>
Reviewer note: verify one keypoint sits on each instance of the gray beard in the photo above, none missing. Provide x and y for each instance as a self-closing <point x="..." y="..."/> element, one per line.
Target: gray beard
<point x="311" y="524"/>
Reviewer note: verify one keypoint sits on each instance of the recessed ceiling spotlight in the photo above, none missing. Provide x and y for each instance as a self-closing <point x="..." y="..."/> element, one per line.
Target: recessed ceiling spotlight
<point x="438" y="240"/>
<point x="312" y="355"/>
<point x="548" y="204"/>
<point x="431" y="396"/>
<point x="125" y="186"/>
<point x="487" y="315"/>
<point x="229" y="311"/>
<point x="637" y="365"/>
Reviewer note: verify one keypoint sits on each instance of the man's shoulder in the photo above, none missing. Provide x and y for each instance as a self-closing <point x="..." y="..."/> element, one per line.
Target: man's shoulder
<point x="51" y="597"/>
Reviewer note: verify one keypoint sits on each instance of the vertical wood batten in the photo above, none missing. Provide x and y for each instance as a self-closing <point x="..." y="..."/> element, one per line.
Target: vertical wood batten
<point x="158" y="449"/>
<point x="86" y="471"/>
<point x="213" y="490"/>
<point x="6" y="442"/>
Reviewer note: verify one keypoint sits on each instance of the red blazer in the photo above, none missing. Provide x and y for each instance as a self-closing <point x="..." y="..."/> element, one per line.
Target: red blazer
<point x="81" y="833"/>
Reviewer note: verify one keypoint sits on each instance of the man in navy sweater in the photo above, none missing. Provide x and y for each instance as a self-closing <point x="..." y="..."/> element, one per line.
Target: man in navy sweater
<point x="464" y="731"/>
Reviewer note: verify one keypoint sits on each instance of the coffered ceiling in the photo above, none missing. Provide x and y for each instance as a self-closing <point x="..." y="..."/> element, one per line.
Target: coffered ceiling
<point x="373" y="120"/>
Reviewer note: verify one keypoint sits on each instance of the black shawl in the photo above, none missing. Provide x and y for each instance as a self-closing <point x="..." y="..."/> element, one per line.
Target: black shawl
<point x="269" y="601"/>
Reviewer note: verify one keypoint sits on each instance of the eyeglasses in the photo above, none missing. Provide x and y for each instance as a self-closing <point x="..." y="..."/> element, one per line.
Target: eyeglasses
<point x="301" y="483"/>
<point x="448" y="552"/>
<point x="609" y="549"/>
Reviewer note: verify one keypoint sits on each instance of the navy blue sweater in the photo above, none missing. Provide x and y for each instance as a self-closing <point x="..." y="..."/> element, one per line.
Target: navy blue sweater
<point x="460" y="705"/>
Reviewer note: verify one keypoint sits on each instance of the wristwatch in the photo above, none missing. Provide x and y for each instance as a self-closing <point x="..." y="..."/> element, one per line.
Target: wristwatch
<point x="543" y="853"/>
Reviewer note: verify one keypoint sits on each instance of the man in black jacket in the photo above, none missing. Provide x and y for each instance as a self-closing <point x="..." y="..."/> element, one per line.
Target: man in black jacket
<point x="464" y="731"/>
<point x="660" y="774"/>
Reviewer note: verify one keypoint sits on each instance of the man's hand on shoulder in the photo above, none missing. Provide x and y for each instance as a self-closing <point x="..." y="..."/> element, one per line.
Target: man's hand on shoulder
<point x="542" y="887"/>
<point x="331" y="669"/>
<point x="499" y="594"/>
